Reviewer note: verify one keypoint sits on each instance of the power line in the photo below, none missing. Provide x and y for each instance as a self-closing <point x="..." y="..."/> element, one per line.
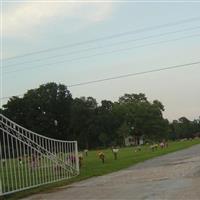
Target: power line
<point x="106" y="37"/>
<point x="100" y="54"/>
<point x="102" y="47"/>
<point x="124" y="76"/>
<point x="134" y="74"/>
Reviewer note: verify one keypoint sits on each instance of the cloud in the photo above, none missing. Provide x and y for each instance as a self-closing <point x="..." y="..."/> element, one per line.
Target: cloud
<point x="26" y="18"/>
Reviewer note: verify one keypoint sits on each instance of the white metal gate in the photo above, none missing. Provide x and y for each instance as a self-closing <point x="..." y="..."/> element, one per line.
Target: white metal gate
<point x="28" y="159"/>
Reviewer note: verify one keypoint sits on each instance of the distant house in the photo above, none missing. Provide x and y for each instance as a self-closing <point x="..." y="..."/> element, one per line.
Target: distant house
<point x="131" y="141"/>
<point x="141" y="141"/>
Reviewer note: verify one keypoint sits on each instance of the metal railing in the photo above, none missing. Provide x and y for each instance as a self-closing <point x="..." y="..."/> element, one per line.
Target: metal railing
<point x="28" y="159"/>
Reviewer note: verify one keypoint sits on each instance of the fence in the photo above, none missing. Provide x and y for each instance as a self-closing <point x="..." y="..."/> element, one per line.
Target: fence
<point x="28" y="159"/>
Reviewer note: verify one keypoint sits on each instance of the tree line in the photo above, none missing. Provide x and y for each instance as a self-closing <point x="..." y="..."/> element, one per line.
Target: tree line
<point x="51" y="110"/>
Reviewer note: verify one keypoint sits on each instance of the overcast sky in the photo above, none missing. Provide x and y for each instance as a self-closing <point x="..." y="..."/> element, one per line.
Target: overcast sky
<point x="147" y="36"/>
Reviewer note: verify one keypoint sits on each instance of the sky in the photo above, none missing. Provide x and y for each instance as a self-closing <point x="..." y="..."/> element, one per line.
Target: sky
<point x="74" y="42"/>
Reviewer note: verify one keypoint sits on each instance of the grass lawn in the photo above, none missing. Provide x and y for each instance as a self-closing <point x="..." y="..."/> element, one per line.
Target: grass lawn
<point x="92" y="166"/>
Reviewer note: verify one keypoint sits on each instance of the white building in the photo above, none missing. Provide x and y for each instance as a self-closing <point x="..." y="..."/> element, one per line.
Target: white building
<point x="131" y="141"/>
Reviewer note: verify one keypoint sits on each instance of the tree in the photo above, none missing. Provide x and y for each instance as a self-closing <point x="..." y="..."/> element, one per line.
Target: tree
<point x="45" y="110"/>
<point x="133" y="98"/>
<point x="103" y="138"/>
<point x="106" y="121"/>
<point x="184" y="128"/>
<point x="50" y="110"/>
<point x="82" y="120"/>
<point x="122" y="132"/>
<point x="145" y="117"/>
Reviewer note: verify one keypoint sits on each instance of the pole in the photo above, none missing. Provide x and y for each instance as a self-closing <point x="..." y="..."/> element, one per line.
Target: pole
<point x="77" y="158"/>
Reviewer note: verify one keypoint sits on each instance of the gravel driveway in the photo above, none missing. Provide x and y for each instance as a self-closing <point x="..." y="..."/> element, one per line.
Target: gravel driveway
<point x="172" y="176"/>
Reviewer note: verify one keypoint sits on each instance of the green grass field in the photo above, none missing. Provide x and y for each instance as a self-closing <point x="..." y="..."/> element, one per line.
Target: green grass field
<point x="92" y="165"/>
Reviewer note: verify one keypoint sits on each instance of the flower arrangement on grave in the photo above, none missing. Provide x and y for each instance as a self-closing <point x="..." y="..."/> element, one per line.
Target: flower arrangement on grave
<point x="138" y="148"/>
<point x="154" y="147"/>
<point x="101" y="156"/>
<point x="86" y="152"/>
<point x="115" y="152"/>
<point x="80" y="157"/>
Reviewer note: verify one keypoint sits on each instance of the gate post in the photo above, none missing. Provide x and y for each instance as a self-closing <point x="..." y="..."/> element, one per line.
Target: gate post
<point x="1" y="191"/>
<point x="77" y="157"/>
<point x="1" y="170"/>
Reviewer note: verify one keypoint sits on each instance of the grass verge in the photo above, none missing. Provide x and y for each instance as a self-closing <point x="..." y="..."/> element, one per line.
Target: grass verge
<point x="92" y="166"/>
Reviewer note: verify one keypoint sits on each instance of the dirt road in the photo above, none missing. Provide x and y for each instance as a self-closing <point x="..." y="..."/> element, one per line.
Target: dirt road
<point x="173" y="176"/>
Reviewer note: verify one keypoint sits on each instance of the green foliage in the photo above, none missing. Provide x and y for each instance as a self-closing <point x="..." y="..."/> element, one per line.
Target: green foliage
<point x="103" y="138"/>
<point x="50" y="110"/>
<point x="122" y="132"/>
<point x="132" y="98"/>
<point x="45" y="110"/>
<point x="184" y="128"/>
